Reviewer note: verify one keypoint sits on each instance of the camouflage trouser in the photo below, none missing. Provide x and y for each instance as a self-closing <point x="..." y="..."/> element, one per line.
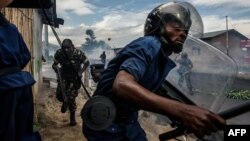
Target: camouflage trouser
<point x="71" y="93"/>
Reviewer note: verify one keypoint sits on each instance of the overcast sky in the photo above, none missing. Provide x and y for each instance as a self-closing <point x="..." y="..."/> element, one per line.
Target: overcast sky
<point x="123" y="20"/>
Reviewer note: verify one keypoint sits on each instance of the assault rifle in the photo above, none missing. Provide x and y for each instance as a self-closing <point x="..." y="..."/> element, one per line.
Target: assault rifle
<point x="62" y="87"/>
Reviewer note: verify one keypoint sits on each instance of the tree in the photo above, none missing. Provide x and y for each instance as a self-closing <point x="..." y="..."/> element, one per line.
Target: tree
<point x="91" y="34"/>
<point x="91" y="43"/>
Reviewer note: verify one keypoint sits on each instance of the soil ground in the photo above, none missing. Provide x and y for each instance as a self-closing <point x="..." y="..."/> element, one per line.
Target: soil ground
<point x="54" y="125"/>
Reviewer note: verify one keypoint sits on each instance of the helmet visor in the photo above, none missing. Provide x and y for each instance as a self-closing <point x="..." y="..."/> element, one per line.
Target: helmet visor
<point x="184" y="13"/>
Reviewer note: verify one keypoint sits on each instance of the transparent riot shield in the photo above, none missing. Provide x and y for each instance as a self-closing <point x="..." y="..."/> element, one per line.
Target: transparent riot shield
<point x="203" y="74"/>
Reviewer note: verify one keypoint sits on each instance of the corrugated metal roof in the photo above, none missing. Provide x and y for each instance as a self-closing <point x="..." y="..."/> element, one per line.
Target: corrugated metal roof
<point x="213" y="34"/>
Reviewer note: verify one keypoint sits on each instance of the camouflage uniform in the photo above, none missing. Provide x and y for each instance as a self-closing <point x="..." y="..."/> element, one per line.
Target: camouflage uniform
<point x="71" y="93"/>
<point x="68" y="75"/>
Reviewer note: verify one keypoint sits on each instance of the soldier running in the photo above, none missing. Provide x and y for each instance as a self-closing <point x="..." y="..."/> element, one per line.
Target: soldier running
<point x="72" y="62"/>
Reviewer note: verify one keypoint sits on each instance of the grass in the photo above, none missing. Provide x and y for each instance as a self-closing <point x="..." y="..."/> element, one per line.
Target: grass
<point x="233" y="94"/>
<point x="239" y="94"/>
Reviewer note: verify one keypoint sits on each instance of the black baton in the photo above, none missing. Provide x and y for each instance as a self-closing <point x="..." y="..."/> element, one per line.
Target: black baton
<point x="230" y="113"/>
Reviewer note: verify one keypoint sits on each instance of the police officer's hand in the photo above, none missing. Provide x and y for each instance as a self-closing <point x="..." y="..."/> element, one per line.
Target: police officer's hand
<point x="201" y="121"/>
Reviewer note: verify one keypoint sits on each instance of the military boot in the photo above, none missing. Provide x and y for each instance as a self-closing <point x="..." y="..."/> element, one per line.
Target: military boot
<point x="72" y="119"/>
<point x="64" y="107"/>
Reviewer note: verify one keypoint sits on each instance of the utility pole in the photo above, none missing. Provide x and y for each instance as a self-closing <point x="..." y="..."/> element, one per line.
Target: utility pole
<point x="46" y="35"/>
<point x="227" y="37"/>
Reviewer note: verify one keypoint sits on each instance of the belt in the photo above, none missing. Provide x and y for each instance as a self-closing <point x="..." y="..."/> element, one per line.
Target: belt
<point x="9" y="70"/>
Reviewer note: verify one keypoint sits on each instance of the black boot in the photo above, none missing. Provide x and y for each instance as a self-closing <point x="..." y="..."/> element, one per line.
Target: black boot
<point x="72" y="119"/>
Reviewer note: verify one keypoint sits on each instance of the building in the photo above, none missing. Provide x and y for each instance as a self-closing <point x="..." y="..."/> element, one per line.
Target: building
<point x="29" y="20"/>
<point x="238" y="47"/>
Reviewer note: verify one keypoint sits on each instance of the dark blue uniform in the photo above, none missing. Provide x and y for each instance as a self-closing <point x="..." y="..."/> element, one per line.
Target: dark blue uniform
<point x="16" y="100"/>
<point x="144" y="59"/>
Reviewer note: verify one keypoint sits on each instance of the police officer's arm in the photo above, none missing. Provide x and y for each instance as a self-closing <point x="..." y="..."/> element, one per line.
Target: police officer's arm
<point x="199" y="120"/>
<point x="24" y="52"/>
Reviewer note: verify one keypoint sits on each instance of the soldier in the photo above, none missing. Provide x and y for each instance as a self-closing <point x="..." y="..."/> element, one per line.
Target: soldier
<point x="185" y="70"/>
<point x="73" y="62"/>
<point x="103" y="57"/>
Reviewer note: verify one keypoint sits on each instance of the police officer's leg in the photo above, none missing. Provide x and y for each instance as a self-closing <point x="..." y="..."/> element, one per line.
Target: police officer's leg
<point x="135" y="132"/>
<point x="188" y="81"/>
<point x="141" y="136"/>
<point x="8" y="102"/>
<point x="104" y="135"/>
<point x="16" y="110"/>
<point x="116" y="132"/>
<point x="181" y="79"/>
<point x="25" y="113"/>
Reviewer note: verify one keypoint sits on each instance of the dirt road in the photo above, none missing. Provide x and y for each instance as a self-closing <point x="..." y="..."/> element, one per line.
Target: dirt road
<point x="54" y="125"/>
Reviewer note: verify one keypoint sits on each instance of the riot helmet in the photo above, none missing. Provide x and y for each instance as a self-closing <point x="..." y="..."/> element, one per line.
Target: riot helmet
<point x="184" y="55"/>
<point x="165" y="13"/>
<point x="182" y="13"/>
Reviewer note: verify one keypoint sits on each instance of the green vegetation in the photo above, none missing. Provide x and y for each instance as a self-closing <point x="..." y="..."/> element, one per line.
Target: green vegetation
<point x="204" y="92"/>
<point x="239" y="94"/>
<point x="233" y="94"/>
